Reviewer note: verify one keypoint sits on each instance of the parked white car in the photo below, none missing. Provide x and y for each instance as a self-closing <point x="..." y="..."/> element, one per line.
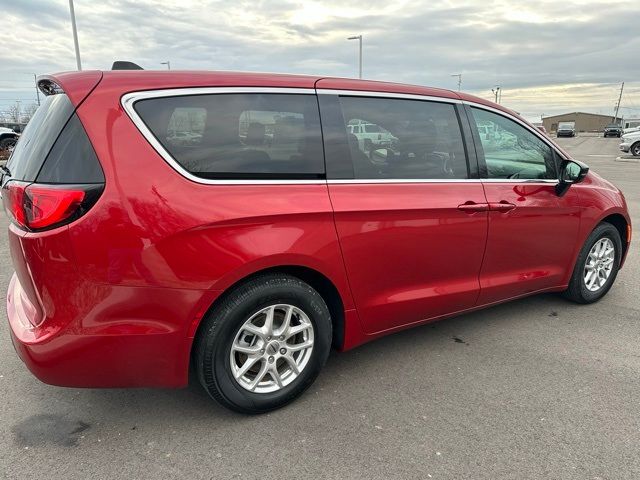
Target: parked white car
<point x="631" y="143"/>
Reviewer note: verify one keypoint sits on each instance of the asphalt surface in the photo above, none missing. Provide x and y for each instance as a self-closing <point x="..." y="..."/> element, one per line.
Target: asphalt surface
<point x="535" y="389"/>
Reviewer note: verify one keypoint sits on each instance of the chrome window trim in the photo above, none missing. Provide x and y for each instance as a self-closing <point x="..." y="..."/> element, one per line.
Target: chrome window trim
<point x="406" y="96"/>
<point x="129" y="99"/>
<point x="532" y="181"/>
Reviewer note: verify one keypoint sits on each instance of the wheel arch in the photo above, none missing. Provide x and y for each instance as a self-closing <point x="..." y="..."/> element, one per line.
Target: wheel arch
<point x="319" y="281"/>
<point x="620" y="222"/>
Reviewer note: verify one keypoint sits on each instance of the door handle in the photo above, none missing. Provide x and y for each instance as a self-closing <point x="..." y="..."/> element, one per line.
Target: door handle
<point x="473" y="207"/>
<point x="503" y="206"/>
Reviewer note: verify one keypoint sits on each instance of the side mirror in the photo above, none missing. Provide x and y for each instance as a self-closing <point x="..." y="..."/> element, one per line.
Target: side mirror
<point x="571" y="171"/>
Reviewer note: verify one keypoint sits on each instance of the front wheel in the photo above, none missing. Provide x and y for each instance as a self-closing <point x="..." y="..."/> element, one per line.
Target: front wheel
<point x="635" y="149"/>
<point x="597" y="265"/>
<point x="264" y="344"/>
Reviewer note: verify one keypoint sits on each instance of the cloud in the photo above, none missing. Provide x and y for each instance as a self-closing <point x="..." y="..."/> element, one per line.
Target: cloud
<point x="548" y="56"/>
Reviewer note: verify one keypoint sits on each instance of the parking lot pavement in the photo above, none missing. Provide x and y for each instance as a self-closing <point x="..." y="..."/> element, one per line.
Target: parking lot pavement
<point x="538" y="388"/>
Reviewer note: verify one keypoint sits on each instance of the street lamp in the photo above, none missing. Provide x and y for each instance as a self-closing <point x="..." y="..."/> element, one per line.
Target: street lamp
<point x="75" y="34"/>
<point x="359" y="38"/>
<point x="167" y="63"/>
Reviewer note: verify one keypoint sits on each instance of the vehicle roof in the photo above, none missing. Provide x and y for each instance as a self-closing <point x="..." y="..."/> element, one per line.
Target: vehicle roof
<point x="78" y="84"/>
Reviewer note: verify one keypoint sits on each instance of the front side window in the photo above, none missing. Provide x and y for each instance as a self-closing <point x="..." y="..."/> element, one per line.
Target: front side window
<point x="510" y="150"/>
<point x="403" y="139"/>
<point x="249" y="135"/>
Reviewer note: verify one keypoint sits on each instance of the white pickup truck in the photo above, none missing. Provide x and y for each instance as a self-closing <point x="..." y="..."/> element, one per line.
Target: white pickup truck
<point x="371" y="136"/>
<point x="8" y="138"/>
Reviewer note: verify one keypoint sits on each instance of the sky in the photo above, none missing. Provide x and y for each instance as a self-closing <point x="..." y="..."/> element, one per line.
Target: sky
<point x="548" y="57"/>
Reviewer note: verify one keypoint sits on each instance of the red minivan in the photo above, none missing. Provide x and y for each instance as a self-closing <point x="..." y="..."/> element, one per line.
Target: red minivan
<point x="241" y="224"/>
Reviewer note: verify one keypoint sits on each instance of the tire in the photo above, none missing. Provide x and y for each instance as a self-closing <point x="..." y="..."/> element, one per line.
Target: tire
<point x="635" y="149"/>
<point x="578" y="290"/>
<point x="7" y="143"/>
<point x="224" y="327"/>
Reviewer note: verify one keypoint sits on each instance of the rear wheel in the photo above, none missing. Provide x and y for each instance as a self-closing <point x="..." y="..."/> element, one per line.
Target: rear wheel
<point x="597" y="265"/>
<point x="264" y="344"/>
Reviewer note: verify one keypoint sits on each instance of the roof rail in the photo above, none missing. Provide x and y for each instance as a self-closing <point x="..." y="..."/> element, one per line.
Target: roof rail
<point x="123" y="65"/>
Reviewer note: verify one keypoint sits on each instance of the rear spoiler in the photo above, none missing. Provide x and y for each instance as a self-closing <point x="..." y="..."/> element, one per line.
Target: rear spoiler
<point x="77" y="85"/>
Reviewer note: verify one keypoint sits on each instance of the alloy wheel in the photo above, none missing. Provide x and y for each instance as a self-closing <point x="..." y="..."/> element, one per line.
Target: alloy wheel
<point x="272" y="348"/>
<point x="599" y="264"/>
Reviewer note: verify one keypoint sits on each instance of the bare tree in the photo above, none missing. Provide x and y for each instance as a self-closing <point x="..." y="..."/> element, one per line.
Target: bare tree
<point x="29" y="112"/>
<point x="15" y="112"/>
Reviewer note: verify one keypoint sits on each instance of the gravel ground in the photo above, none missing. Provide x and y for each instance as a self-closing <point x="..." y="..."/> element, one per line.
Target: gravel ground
<point x="537" y="388"/>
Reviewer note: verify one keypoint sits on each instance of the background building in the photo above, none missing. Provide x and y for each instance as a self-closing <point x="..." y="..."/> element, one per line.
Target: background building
<point x="631" y="122"/>
<point x="585" y="122"/>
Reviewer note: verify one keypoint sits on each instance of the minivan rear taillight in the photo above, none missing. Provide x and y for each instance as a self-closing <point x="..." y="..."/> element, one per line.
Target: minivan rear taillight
<point x="13" y="199"/>
<point x="40" y="207"/>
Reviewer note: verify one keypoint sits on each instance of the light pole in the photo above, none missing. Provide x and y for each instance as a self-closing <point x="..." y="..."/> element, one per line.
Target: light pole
<point x="459" y="75"/>
<point x="167" y="63"/>
<point x="359" y="38"/>
<point x="75" y="34"/>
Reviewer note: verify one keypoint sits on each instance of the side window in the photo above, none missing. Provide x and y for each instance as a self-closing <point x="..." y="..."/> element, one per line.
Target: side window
<point x="512" y="151"/>
<point x="249" y="135"/>
<point x="403" y="139"/>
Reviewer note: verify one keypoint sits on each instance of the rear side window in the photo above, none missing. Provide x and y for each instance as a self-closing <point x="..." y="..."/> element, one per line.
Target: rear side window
<point x="39" y="136"/>
<point x="403" y="139"/>
<point x="250" y="135"/>
<point x="72" y="158"/>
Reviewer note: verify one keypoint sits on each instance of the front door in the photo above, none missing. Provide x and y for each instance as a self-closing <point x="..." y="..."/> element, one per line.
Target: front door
<point x="412" y="225"/>
<point x="532" y="230"/>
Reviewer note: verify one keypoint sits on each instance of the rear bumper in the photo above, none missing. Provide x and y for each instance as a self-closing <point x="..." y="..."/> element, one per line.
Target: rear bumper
<point x="141" y="353"/>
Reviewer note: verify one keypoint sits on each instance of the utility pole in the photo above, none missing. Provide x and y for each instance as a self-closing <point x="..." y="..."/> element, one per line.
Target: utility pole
<point x="497" y="92"/>
<point x="618" y="105"/>
<point x="359" y="38"/>
<point x="459" y="75"/>
<point x="35" y="79"/>
<point x="167" y="63"/>
<point x="75" y="34"/>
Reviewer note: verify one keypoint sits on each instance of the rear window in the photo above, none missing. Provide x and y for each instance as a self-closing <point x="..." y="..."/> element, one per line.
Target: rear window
<point x="239" y="135"/>
<point x="39" y="136"/>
